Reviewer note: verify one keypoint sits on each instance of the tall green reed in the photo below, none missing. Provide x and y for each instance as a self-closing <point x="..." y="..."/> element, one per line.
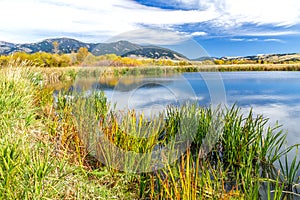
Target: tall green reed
<point x="29" y="165"/>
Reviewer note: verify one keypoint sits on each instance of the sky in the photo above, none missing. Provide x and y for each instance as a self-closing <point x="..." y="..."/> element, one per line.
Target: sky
<point x="213" y="27"/>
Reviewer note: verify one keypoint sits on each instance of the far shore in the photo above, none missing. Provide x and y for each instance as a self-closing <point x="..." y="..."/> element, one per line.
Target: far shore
<point x="156" y="69"/>
<point x="191" y="68"/>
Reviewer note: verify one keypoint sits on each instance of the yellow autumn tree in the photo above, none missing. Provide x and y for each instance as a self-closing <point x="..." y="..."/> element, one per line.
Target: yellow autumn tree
<point x="82" y="54"/>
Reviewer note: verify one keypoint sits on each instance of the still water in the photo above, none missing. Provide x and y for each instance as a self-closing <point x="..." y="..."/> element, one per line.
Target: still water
<point x="276" y="95"/>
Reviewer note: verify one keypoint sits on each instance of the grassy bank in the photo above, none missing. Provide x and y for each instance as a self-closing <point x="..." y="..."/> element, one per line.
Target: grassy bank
<point x="33" y="164"/>
<point x="51" y="150"/>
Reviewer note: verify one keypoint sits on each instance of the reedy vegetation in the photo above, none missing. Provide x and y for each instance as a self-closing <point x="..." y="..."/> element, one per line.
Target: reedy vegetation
<point x="49" y="150"/>
<point x="32" y="166"/>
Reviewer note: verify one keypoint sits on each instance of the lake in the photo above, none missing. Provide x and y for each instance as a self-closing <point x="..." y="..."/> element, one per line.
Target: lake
<point x="276" y="95"/>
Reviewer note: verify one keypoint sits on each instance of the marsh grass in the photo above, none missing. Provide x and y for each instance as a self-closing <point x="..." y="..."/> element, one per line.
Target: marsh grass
<point x="245" y="154"/>
<point x="30" y="167"/>
<point x="259" y="67"/>
<point x="240" y="166"/>
<point x="289" y="173"/>
<point x="51" y="150"/>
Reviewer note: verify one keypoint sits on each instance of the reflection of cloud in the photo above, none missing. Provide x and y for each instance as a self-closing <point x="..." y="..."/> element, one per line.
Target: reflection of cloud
<point x="153" y="91"/>
<point x="285" y="115"/>
<point x="262" y="97"/>
<point x="150" y="100"/>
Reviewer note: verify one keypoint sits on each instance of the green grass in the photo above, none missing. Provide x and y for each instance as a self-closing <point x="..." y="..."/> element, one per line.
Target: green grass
<point x="51" y="150"/>
<point x="31" y="164"/>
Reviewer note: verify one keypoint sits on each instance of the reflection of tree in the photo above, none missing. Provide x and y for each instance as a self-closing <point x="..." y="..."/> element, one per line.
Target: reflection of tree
<point x="128" y="83"/>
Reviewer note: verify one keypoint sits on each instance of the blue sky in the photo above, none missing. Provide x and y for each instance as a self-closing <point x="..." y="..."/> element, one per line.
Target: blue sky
<point x="213" y="27"/>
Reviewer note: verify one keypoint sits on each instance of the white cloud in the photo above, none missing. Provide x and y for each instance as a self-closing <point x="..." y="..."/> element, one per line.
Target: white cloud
<point x="256" y="40"/>
<point x="235" y="12"/>
<point x="271" y="33"/>
<point x="244" y="39"/>
<point x="264" y="11"/>
<point x="90" y="16"/>
<point x="152" y="36"/>
<point x="21" y="20"/>
<point x="274" y="40"/>
<point x="237" y="39"/>
<point x="252" y="40"/>
<point x="199" y="33"/>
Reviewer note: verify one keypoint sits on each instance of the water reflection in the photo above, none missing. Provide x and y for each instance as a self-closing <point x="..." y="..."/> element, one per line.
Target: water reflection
<point x="276" y="95"/>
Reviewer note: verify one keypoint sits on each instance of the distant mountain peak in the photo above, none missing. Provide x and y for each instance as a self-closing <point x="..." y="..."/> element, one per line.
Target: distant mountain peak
<point x="155" y="52"/>
<point x="68" y="45"/>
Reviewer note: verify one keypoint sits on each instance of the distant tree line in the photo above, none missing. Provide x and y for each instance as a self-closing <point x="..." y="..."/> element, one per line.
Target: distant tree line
<point x="259" y="61"/>
<point x="83" y="58"/>
<point x="40" y="59"/>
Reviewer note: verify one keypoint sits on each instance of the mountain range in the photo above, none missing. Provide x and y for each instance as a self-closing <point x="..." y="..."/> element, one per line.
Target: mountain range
<point x="67" y="45"/>
<point x="125" y="49"/>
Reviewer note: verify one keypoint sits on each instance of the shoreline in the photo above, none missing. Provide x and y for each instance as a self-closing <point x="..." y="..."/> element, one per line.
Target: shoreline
<point x="200" y="67"/>
<point x="193" y="67"/>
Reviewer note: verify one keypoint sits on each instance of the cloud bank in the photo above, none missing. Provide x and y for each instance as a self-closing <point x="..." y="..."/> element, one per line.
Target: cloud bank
<point x="31" y="20"/>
